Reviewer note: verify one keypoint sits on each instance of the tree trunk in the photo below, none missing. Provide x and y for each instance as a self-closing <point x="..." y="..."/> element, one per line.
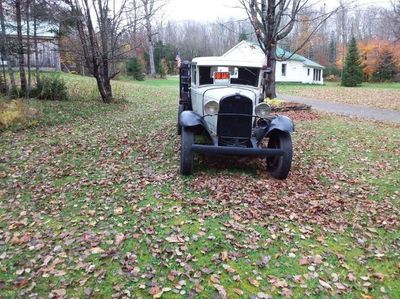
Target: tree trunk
<point x="37" y="75"/>
<point x="151" y="58"/>
<point x="104" y="86"/>
<point x="20" y="46"/>
<point x="3" y="46"/>
<point x="28" y="44"/>
<point x="270" y="81"/>
<point x="151" y="46"/>
<point x="270" y="47"/>
<point x="4" y="49"/>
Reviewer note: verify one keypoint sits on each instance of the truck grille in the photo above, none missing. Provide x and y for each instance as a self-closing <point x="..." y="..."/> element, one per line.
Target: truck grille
<point x="235" y="117"/>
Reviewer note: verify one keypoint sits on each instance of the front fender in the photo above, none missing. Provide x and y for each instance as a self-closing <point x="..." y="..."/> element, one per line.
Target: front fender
<point x="190" y="119"/>
<point x="280" y="123"/>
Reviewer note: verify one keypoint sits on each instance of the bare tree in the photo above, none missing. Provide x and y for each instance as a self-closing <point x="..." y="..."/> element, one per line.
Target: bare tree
<point x="21" y="61"/>
<point x="28" y="45"/>
<point x="151" y="8"/>
<point x="35" y="40"/>
<point x="396" y="18"/>
<point x="4" y="51"/>
<point x="99" y="25"/>
<point x="272" y="21"/>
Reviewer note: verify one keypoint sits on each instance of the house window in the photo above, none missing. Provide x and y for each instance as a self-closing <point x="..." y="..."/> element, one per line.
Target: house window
<point x="283" y="69"/>
<point x="308" y="72"/>
<point x="317" y="75"/>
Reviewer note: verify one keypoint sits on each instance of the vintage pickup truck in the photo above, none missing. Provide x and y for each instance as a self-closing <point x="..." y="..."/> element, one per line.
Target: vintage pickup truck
<point x="223" y="100"/>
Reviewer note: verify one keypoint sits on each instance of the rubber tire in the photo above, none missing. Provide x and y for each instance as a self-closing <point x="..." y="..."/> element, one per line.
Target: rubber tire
<point x="178" y="125"/>
<point x="187" y="140"/>
<point x="279" y="166"/>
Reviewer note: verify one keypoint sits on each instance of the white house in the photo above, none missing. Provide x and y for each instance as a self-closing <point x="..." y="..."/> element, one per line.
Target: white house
<point x="48" y="48"/>
<point x="292" y="68"/>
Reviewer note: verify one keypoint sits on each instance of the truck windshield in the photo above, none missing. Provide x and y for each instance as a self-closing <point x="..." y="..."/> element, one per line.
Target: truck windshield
<point x="238" y="75"/>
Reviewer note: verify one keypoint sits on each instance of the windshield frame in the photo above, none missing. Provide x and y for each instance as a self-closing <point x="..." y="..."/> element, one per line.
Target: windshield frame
<point x="206" y="69"/>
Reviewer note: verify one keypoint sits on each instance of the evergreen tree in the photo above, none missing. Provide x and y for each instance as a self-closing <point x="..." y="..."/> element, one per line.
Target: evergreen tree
<point x="352" y="72"/>
<point x="164" y="53"/>
<point x="134" y="68"/>
<point x="387" y="68"/>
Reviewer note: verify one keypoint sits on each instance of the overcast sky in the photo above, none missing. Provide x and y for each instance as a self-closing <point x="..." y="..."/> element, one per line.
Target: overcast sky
<point x="209" y="10"/>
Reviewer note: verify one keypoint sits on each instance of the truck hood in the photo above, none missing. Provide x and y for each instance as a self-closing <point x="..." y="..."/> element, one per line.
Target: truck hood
<point x="217" y="93"/>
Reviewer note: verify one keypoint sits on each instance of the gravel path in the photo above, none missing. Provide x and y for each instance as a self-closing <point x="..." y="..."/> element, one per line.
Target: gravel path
<point x="346" y="109"/>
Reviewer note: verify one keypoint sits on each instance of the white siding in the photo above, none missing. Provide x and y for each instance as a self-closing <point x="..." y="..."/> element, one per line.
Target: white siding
<point x="294" y="71"/>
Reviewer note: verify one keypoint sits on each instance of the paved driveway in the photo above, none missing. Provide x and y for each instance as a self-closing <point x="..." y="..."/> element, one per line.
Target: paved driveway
<point x="346" y="109"/>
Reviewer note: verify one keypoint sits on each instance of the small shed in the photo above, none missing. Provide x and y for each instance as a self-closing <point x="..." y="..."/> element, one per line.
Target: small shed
<point x="293" y="67"/>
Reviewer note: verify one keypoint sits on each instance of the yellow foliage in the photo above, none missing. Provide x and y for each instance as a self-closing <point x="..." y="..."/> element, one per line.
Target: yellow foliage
<point x="274" y="102"/>
<point x="14" y="112"/>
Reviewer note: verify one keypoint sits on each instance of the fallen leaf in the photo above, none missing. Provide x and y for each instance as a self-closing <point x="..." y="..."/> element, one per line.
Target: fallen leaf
<point x="154" y="290"/>
<point x="224" y="256"/>
<point x="119" y="238"/>
<point x="221" y="291"/>
<point x="158" y="295"/>
<point x="351" y="277"/>
<point x="96" y="250"/>
<point x="228" y="268"/>
<point x="379" y="276"/>
<point x="59" y="292"/>
<point x="340" y="286"/>
<point x="214" y="279"/>
<point x="325" y="284"/>
<point x="253" y="282"/>
<point x="303" y="261"/>
<point x="119" y="211"/>
<point x="171" y="276"/>
<point x="287" y="293"/>
<point x="239" y="292"/>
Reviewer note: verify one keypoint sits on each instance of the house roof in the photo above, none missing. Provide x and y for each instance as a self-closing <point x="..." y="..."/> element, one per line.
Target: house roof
<point x="44" y="29"/>
<point x="252" y="50"/>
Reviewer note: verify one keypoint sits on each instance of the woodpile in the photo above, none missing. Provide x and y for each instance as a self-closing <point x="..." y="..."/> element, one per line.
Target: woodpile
<point x="290" y="106"/>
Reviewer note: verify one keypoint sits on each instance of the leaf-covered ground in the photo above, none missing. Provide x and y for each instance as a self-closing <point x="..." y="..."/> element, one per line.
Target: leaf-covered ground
<point x="386" y="96"/>
<point x="94" y="207"/>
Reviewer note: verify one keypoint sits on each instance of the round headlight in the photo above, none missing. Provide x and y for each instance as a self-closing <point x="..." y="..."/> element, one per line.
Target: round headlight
<point x="211" y="108"/>
<point x="263" y="110"/>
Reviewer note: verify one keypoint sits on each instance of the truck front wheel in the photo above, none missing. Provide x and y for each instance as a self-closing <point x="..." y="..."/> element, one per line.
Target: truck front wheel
<point x="279" y="166"/>
<point x="187" y="140"/>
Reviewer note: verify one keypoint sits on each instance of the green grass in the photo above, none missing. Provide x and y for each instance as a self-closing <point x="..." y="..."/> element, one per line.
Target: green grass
<point x="66" y="178"/>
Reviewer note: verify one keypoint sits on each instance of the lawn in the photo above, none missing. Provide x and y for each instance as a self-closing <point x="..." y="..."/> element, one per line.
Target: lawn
<point x="92" y="206"/>
<point x="379" y="95"/>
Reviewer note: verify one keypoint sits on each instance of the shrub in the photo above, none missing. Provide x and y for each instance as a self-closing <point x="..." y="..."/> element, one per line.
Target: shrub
<point x="332" y="78"/>
<point x="163" y="69"/>
<point x="15" y="112"/>
<point x="134" y="68"/>
<point x="331" y="70"/>
<point x="51" y="88"/>
<point x="274" y="102"/>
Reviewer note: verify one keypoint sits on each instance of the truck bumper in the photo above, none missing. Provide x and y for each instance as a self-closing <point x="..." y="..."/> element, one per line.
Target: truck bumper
<point x="236" y="151"/>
